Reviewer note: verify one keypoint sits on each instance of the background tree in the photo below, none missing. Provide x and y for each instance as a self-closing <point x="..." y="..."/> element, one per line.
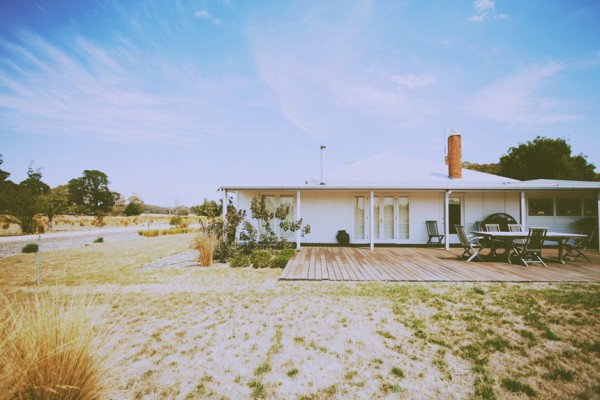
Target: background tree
<point x="25" y="200"/>
<point x="135" y="206"/>
<point x="91" y="193"/>
<point x="545" y="158"/>
<point x="208" y="208"/>
<point x="120" y="203"/>
<point x="56" y="202"/>
<point x="3" y="187"/>
<point x="491" y="168"/>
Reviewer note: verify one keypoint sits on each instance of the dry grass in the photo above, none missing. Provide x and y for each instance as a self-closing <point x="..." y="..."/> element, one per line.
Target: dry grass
<point x="205" y="244"/>
<point x="240" y="333"/>
<point x="67" y="223"/>
<point x="49" y="348"/>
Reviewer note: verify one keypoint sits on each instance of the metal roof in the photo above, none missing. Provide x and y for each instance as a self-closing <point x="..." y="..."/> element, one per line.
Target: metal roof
<point x="391" y="171"/>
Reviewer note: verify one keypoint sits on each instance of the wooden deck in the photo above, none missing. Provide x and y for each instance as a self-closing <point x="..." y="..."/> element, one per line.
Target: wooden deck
<point x="427" y="264"/>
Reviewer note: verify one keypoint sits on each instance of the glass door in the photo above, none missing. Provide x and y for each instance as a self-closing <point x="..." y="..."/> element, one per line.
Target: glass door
<point x="387" y="219"/>
<point x="359" y="219"/>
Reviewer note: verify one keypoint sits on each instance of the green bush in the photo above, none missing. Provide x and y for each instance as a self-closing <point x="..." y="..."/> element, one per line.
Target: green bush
<point x="287" y="252"/>
<point x="175" y="220"/>
<point x="240" y="261"/>
<point x="261" y="259"/>
<point x="279" y="261"/>
<point x="99" y="240"/>
<point x="30" y="248"/>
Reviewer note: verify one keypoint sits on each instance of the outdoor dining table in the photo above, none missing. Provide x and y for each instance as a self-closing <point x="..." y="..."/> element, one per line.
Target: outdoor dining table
<point x="508" y="239"/>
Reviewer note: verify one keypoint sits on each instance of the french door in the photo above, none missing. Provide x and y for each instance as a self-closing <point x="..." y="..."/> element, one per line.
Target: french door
<point x="390" y="218"/>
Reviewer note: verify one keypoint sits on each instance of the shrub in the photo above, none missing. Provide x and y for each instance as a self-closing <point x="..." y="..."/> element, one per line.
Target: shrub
<point x="288" y="252"/>
<point x="50" y="348"/>
<point x="30" y="248"/>
<point x="240" y="261"/>
<point x="224" y="250"/>
<point x="261" y="259"/>
<point x="175" y="220"/>
<point x="279" y="261"/>
<point x="205" y="244"/>
<point x="99" y="240"/>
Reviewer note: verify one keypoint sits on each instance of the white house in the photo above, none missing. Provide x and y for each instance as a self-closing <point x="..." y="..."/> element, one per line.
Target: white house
<point x="388" y="197"/>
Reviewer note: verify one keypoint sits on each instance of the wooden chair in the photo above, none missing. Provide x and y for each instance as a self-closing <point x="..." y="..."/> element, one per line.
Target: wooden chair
<point x="432" y="232"/>
<point x="495" y="243"/>
<point x="471" y="245"/>
<point x="516" y="228"/>
<point x="531" y="251"/>
<point x="577" y="247"/>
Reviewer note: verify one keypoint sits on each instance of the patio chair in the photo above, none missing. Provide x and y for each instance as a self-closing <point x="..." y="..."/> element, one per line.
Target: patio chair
<point x="470" y="244"/>
<point x="531" y="251"/>
<point x="516" y="228"/>
<point x="577" y="247"/>
<point x="432" y="232"/>
<point x="492" y="227"/>
<point x="495" y="243"/>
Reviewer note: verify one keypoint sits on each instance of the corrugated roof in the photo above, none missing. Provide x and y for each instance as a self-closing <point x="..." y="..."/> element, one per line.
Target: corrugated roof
<point x="391" y="171"/>
<point x="392" y="168"/>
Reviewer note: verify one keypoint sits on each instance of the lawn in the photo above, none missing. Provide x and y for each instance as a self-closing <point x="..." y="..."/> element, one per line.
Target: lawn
<point x="191" y="332"/>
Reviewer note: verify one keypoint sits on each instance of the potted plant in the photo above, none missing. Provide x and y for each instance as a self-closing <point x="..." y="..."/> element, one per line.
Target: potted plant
<point x="343" y="238"/>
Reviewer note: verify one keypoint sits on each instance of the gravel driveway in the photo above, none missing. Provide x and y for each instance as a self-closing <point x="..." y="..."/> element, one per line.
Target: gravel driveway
<point x="65" y="240"/>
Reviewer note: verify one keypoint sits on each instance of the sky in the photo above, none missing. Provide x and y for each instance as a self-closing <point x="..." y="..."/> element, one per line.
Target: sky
<point x="173" y="99"/>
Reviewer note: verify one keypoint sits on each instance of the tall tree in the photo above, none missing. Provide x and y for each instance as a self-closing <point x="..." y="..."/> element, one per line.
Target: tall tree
<point x="3" y="187"/>
<point x="56" y="202"/>
<point x="25" y="200"/>
<point x="91" y="193"/>
<point x="545" y="158"/>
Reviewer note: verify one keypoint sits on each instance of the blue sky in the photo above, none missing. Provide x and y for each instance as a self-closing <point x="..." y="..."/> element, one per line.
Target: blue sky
<point x="172" y="99"/>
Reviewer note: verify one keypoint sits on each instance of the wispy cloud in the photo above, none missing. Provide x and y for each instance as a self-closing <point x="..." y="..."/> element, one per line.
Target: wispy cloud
<point x="485" y="8"/>
<point x="340" y="86"/>
<point x="204" y="14"/>
<point x="118" y="93"/>
<point x="414" y="81"/>
<point x="516" y="100"/>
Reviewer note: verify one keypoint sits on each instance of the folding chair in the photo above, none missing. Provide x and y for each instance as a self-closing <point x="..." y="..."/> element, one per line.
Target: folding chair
<point x="471" y="245"/>
<point x="492" y="227"/>
<point x="494" y="243"/>
<point x="432" y="232"/>
<point x="531" y="251"/>
<point x="577" y="247"/>
<point x="516" y="228"/>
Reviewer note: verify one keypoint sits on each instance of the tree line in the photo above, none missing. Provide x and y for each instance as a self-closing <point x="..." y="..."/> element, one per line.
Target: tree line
<point x="541" y="158"/>
<point x="89" y="194"/>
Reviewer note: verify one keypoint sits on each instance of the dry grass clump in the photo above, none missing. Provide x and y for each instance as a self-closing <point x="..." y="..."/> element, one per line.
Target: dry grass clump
<point x="49" y="348"/>
<point x="206" y="244"/>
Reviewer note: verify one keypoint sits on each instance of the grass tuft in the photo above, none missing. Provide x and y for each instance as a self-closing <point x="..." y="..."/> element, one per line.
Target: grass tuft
<point x="515" y="386"/>
<point x="50" y="349"/>
<point x="205" y="244"/>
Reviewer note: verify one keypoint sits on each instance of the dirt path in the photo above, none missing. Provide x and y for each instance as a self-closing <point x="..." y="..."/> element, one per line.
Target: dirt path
<point x="11" y="245"/>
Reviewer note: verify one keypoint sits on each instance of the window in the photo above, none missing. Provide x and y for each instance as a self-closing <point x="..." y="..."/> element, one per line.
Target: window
<point x="568" y="207"/>
<point x="455" y="213"/>
<point x="590" y="208"/>
<point x="541" y="206"/>
<point x="403" y="213"/>
<point x="272" y="202"/>
<point x="359" y="217"/>
<point x="287" y="201"/>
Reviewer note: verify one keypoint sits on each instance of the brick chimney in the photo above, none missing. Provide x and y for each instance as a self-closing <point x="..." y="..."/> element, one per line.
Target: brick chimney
<point x="454" y="156"/>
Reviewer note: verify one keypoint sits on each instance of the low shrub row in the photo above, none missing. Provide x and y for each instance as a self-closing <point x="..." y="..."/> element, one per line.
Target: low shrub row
<point x="160" y="232"/>
<point x="263" y="259"/>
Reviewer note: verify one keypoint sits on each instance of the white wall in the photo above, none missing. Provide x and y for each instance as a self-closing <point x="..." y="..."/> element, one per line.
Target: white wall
<point x="327" y="212"/>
